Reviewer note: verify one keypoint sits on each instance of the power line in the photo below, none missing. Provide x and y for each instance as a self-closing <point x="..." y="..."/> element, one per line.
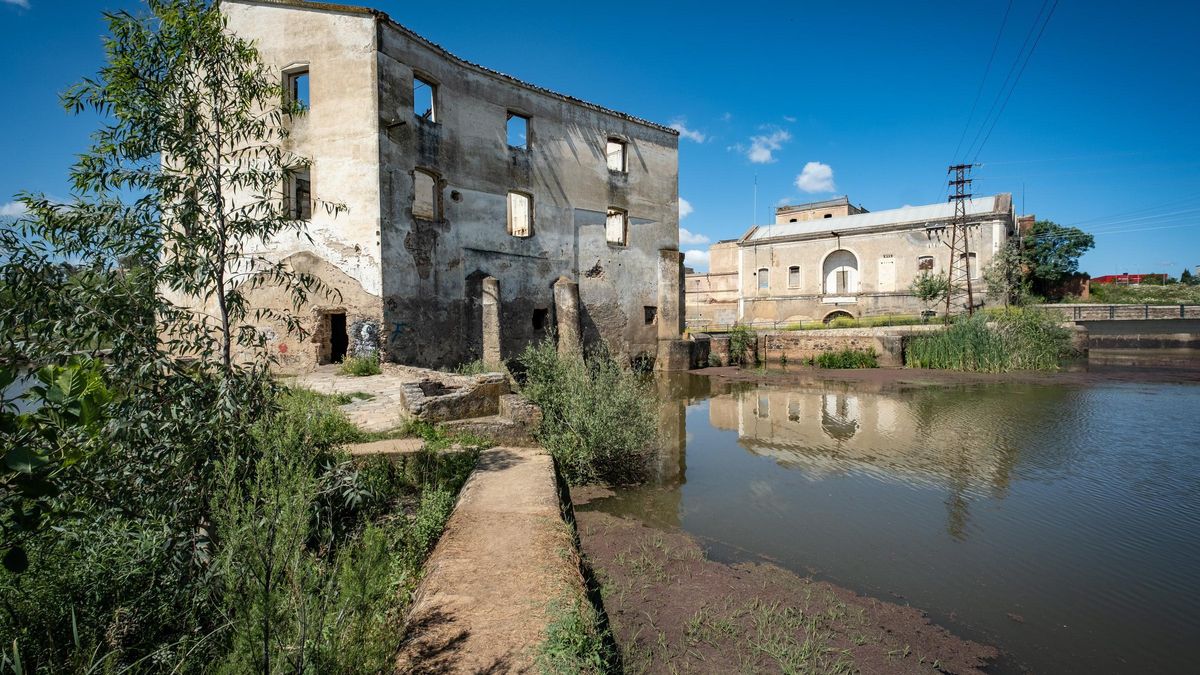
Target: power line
<point x="986" y="71"/>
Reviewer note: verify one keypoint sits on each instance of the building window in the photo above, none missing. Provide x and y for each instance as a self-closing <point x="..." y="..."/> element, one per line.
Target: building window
<point x="518" y="131"/>
<point x="540" y="315"/>
<point x="925" y="263"/>
<point x="298" y="195"/>
<point x="794" y="276"/>
<point x="972" y="265"/>
<point x="793" y="220"/>
<point x="424" y="99"/>
<point x="764" y="278"/>
<point x="828" y="215"/>
<point x="616" y="154"/>
<point x="425" y="195"/>
<point x="297" y="89"/>
<point x="764" y="407"/>
<point x="649" y="314"/>
<point x="520" y="214"/>
<point x="616" y="227"/>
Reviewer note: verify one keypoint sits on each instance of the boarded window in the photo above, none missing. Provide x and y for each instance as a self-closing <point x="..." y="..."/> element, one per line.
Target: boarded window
<point x="298" y="195"/>
<point x="297" y="89"/>
<point x="424" y="99"/>
<point x="887" y="274"/>
<point x="616" y="154"/>
<point x="764" y="279"/>
<point x="425" y="198"/>
<point x="925" y="263"/>
<point x="518" y="131"/>
<point x="972" y="265"/>
<point x="520" y="214"/>
<point x="616" y="227"/>
<point x="794" y="276"/>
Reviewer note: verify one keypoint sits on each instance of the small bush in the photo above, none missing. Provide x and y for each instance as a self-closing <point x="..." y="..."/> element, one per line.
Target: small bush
<point x="714" y="361"/>
<point x="575" y="642"/>
<point x="1015" y="339"/>
<point x="742" y="344"/>
<point x="361" y="365"/>
<point x="598" y="418"/>
<point x="847" y="358"/>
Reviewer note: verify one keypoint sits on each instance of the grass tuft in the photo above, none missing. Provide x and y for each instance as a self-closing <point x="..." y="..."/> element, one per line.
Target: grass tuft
<point x="361" y="365"/>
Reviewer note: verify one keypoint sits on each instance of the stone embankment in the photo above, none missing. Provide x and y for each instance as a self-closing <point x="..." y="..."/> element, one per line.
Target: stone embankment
<point x="801" y="345"/>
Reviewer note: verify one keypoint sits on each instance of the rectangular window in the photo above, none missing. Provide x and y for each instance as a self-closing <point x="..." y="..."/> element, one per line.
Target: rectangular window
<point x="764" y="407"/>
<point x="424" y="99"/>
<point x="298" y="195"/>
<point x="616" y="227"/>
<point x="518" y="131"/>
<point x="972" y="266"/>
<point x="520" y="214"/>
<point x="650" y="314"/>
<point x="764" y="279"/>
<point x="842" y="281"/>
<point x="616" y="154"/>
<point x="925" y="263"/>
<point x="794" y="276"/>
<point x="297" y="89"/>
<point x="425" y="197"/>
<point x="886" y="283"/>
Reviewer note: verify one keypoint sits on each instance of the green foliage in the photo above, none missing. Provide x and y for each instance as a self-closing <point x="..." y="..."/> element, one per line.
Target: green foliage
<point x="1187" y="278"/>
<point x="478" y="367"/>
<point x="714" y="361"/>
<point x="847" y="358"/>
<point x="930" y="288"/>
<point x="1051" y="253"/>
<point x="361" y="365"/>
<point x="864" y="322"/>
<point x="994" y="342"/>
<point x="575" y="641"/>
<point x="1005" y="276"/>
<point x="598" y="418"/>
<point x="743" y="341"/>
<point x="1121" y="294"/>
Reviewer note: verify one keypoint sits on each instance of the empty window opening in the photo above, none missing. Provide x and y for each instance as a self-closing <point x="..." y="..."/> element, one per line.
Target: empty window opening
<point x="518" y="131"/>
<point x="298" y="195"/>
<point x="650" y="314"/>
<point x="794" y="276"/>
<point x="616" y="227"/>
<point x="520" y="214"/>
<point x="540" y="315"/>
<point x="764" y="278"/>
<point x="925" y="263"/>
<point x="336" y="339"/>
<point x="616" y="154"/>
<point x="793" y="220"/>
<point x="297" y="89"/>
<point x="828" y="215"/>
<point x="424" y="99"/>
<point x="425" y="195"/>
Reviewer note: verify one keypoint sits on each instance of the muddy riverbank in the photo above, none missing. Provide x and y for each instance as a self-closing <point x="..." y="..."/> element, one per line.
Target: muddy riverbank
<point x="672" y="609"/>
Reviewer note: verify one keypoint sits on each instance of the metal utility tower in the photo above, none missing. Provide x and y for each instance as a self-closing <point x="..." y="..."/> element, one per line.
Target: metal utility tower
<point x="959" y="268"/>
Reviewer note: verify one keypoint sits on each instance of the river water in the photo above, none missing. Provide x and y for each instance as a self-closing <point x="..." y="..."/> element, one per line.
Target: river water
<point x="1059" y="523"/>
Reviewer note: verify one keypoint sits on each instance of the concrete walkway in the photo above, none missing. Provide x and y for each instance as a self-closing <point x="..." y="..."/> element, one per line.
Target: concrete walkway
<point x="505" y="556"/>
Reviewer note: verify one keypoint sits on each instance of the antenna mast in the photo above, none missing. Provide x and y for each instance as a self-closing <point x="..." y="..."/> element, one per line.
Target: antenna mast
<point x="960" y="267"/>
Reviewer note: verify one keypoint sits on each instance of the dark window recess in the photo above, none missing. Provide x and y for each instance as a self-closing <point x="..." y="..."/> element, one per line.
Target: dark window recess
<point x="297" y="84"/>
<point x="339" y="341"/>
<point x="828" y="215"/>
<point x="651" y="313"/>
<point x="302" y="199"/>
<point x="539" y="318"/>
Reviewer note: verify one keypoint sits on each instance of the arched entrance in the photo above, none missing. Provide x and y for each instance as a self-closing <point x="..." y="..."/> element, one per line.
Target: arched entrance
<point x="836" y="315"/>
<point x="840" y="273"/>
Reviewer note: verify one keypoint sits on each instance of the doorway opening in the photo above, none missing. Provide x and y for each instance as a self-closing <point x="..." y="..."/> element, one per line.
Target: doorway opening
<point x="339" y="340"/>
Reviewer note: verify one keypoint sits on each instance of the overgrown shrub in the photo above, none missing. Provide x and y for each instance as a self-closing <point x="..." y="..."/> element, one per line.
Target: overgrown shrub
<point x="743" y="341"/>
<point x="994" y="342"/>
<point x="575" y="641"/>
<point x="847" y="358"/>
<point x="598" y="418"/>
<point x="361" y="365"/>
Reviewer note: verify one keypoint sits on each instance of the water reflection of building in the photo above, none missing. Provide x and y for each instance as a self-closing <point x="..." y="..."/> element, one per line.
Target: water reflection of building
<point x="911" y="438"/>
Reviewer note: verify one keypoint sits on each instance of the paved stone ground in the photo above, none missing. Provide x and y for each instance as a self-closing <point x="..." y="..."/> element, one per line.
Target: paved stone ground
<point x="383" y="412"/>
<point x="505" y="556"/>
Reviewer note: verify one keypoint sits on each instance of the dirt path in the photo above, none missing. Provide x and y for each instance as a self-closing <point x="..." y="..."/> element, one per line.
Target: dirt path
<point x="674" y="611"/>
<point x="505" y="556"/>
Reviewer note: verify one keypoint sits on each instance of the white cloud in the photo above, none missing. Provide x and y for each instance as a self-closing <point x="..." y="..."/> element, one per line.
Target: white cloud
<point x="695" y="258"/>
<point x="762" y="147"/>
<point x="685" y="208"/>
<point x="12" y="209"/>
<point x="726" y="117"/>
<point x="688" y="238"/>
<point x="789" y="118"/>
<point x="680" y="125"/>
<point x="816" y="177"/>
<point x="23" y="4"/>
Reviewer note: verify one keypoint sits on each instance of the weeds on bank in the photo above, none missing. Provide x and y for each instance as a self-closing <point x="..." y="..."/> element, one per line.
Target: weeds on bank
<point x="598" y="417"/>
<point x="994" y="342"/>
<point x="361" y="365"/>
<point x="575" y="641"/>
<point x="847" y="358"/>
<point x="865" y="322"/>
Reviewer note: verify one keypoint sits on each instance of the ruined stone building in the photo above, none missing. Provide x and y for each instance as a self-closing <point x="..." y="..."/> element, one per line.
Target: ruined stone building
<point x="828" y="259"/>
<point x="474" y="199"/>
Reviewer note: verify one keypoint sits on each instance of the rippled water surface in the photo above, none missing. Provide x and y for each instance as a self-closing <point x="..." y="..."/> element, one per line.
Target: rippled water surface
<point x="1061" y="524"/>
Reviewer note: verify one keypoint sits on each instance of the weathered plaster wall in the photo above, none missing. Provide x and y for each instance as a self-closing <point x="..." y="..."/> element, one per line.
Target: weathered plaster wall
<point x="432" y="268"/>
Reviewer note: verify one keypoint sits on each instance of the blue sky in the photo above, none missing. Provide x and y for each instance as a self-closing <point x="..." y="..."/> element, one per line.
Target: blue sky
<point x="871" y="97"/>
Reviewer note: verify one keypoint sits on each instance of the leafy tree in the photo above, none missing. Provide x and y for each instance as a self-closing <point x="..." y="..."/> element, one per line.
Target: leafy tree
<point x="1005" y="276"/>
<point x="930" y="288"/>
<point x="1051" y="253"/>
<point x="1186" y="277"/>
